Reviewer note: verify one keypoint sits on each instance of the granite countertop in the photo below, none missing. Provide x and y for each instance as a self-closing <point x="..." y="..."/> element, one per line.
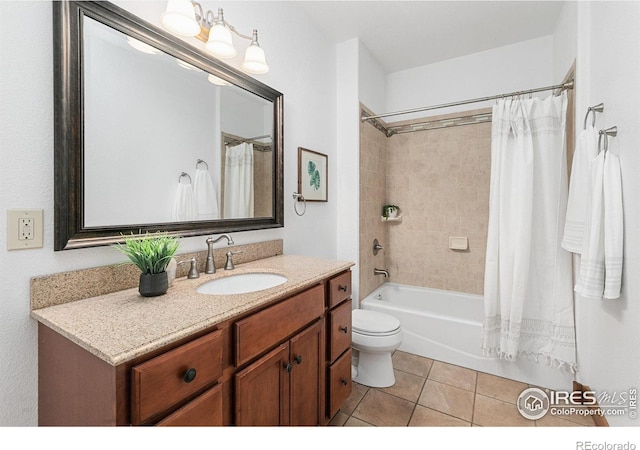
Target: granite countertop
<point x="121" y="326"/>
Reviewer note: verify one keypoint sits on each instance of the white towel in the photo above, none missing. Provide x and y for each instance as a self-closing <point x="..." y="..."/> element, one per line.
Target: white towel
<point x="601" y="262"/>
<point x="613" y="226"/>
<point x="206" y="198"/>
<point x="184" y="206"/>
<point x="579" y="189"/>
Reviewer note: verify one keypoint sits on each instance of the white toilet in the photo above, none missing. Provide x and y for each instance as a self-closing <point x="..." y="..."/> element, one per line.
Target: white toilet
<point x="375" y="336"/>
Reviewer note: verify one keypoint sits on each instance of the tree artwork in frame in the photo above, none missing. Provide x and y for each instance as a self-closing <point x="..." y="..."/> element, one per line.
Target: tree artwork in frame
<point x="312" y="175"/>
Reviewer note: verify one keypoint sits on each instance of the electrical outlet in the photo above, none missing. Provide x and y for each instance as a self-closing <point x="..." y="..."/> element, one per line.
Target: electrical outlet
<point x="24" y="229"/>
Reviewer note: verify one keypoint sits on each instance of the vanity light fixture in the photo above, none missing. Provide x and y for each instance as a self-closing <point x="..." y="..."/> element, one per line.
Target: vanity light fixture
<point x="188" y="18"/>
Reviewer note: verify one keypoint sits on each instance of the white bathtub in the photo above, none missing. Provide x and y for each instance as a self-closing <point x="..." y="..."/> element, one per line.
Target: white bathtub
<point x="447" y="326"/>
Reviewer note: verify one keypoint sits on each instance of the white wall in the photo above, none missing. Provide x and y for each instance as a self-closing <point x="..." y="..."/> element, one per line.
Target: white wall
<point x="372" y="89"/>
<point x="348" y="144"/>
<point x="303" y="67"/>
<point x="521" y="66"/>
<point x="608" y="70"/>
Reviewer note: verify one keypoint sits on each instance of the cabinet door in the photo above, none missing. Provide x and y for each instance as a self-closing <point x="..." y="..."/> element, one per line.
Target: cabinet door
<point x="307" y="382"/>
<point x="262" y="390"/>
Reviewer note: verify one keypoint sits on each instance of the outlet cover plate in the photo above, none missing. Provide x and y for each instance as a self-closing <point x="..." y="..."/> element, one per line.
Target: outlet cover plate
<point x="31" y="216"/>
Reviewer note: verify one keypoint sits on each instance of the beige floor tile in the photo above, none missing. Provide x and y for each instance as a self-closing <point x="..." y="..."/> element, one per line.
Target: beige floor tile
<point x="408" y="386"/>
<point x="338" y="420"/>
<point x="426" y="417"/>
<point x="454" y="375"/>
<point x="448" y="399"/>
<point x="353" y="422"/>
<point x="357" y="393"/>
<point x="586" y="421"/>
<point x="499" y="388"/>
<point x="550" y="420"/>
<point x="490" y="412"/>
<point x="384" y="410"/>
<point x="414" y="364"/>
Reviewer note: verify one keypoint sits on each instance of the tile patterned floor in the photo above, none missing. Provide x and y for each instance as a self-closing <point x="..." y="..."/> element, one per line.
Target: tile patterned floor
<point x="433" y="393"/>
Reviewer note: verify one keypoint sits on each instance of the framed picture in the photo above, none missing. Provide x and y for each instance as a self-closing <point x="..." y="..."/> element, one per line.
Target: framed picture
<point x="312" y="175"/>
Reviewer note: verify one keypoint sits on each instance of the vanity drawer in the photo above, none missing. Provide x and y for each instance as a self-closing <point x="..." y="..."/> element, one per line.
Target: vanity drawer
<point x="203" y="411"/>
<point x="261" y="331"/>
<point x="339" y="288"/>
<point x="339" y="330"/>
<point x="339" y="382"/>
<point x="169" y="378"/>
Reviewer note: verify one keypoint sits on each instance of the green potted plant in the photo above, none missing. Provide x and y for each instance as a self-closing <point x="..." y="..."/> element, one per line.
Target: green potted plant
<point x="390" y="211"/>
<point x="151" y="253"/>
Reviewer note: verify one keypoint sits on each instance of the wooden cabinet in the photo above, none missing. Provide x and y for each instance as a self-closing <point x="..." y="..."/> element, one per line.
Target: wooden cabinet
<point x="338" y="362"/>
<point x="177" y="374"/>
<point x="205" y="410"/>
<point x="285" y="363"/>
<point x="286" y="386"/>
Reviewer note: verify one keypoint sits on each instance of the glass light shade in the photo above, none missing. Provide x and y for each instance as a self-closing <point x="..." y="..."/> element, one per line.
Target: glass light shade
<point x="186" y="65"/>
<point x="180" y="18"/>
<point x="220" y="43"/>
<point x="217" y="80"/>
<point x="254" y="60"/>
<point x="141" y="46"/>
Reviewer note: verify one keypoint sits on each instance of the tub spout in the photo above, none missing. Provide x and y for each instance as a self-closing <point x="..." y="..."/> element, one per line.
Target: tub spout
<point x="381" y="272"/>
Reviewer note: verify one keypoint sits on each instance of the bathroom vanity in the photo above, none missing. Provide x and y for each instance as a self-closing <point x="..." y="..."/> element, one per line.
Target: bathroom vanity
<point x="278" y="356"/>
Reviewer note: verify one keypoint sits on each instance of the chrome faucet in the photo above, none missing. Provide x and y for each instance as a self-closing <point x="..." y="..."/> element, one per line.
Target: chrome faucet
<point x="210" y="266"/>
<point x="381" y="272"/>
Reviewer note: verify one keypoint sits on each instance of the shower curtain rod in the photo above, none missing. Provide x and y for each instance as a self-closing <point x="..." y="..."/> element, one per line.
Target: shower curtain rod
<point x="563" y="86"/>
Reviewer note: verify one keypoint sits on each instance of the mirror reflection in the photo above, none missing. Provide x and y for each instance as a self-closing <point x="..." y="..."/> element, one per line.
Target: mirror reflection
<point x="165" y="141"/>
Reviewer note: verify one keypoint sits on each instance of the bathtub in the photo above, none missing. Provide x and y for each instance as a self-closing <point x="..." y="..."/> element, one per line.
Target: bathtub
<point x="447" y="326"/>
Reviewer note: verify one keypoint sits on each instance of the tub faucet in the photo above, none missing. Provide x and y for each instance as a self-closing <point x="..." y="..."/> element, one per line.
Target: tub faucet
<point x="210" y="266"/>
<point x="381" y="272"/>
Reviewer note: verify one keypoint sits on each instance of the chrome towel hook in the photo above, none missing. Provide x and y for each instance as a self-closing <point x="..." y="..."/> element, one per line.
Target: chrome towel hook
<point x="182" y="175"/>
<point x="613" y="131"/>
<point x="200" y="161"/>
<point x="592" y="109"/>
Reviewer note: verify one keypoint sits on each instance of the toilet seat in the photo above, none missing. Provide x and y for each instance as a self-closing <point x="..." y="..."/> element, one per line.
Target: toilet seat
<point x="373" y="323"/>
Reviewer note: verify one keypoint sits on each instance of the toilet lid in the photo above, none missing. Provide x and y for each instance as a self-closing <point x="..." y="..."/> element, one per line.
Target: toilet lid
<point x="368" y="322"/>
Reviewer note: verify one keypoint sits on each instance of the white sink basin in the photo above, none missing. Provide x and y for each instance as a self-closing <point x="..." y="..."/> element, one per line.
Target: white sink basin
<point x="241" y="283"/>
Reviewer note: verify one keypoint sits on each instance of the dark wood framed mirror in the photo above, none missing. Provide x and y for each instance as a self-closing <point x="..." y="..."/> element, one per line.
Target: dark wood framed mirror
<point x="141" y="120"/>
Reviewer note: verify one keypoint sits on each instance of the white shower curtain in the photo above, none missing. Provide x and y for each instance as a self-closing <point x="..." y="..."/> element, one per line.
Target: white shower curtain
<point x="528" y="285"/>
<point x="238" y="181"/>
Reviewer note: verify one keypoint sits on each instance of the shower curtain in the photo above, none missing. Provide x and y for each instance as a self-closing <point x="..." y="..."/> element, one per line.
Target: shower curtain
<point x="238" y="181"/>
<point x="528" y="277"/>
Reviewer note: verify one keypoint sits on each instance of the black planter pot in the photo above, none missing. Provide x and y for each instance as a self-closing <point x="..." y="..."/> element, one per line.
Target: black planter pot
<point x="153" y="284"/>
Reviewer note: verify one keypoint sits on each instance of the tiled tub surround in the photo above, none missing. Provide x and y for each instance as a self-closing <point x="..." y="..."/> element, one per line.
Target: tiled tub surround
<point x="440" y="180"/>
<point x="373" y="156"/>
<point x="121" y="326"/>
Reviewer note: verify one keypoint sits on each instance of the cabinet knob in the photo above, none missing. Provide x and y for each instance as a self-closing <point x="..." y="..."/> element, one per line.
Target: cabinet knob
<point x="343" y="288"/>
<point x="344" y="381"/>
<point x="189" y="375"/>
<point x="288" y="367"/>
<point x="298" y="359"/>
<point x="344" y="329"/>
